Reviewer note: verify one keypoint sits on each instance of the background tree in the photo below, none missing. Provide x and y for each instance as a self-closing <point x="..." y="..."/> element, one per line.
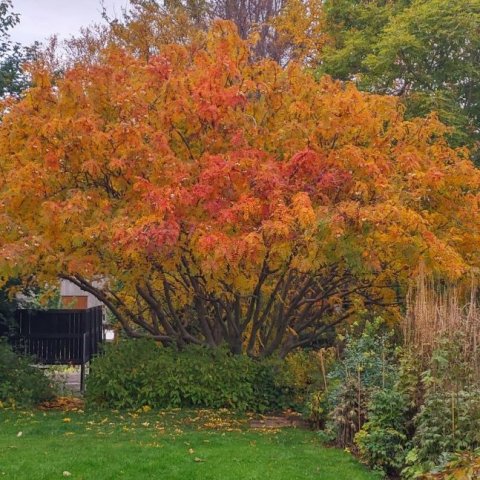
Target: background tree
<point x="279" y="29"/>
<point x="426" y="52"/>
<point x="226" y="200"/>
<point x="12" y="55"/>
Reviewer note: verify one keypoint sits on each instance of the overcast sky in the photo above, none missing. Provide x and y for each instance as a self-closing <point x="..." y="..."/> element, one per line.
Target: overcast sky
<point x="39" y="19"/>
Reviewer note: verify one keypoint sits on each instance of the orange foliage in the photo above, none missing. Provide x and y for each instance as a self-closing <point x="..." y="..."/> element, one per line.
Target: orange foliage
<point x="222" y="199"/>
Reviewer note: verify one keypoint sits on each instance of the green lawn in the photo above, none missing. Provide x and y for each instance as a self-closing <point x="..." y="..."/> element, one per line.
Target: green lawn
<point x="162" y="445"/>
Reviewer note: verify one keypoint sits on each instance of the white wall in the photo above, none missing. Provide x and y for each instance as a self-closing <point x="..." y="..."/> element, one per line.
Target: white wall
<point x="68" y="289"/>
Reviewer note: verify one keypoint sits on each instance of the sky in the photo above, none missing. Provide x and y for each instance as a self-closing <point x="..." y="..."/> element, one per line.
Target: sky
<point x="39" y="19"/>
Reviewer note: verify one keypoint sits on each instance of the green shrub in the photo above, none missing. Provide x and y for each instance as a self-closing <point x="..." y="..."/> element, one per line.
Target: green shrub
<point x="448" y="422"/>
<point x="137" y="373"/>
<point x="304" y="370"/>
<point x="368" y="363"/>
<point x="383" y="441"/>
<point x="21" y="385"/>
<point x="316" y="408"/>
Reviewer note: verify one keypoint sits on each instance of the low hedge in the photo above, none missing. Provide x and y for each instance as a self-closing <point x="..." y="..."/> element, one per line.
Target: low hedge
<point x="21" y="385"/>
<point x="136" y="373"/>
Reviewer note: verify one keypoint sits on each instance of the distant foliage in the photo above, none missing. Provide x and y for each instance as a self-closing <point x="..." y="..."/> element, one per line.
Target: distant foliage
<point x="423" y="51"/>
<point x="21" y="385"/>
<point x="136" y="373"/>
<point x="13" y="79"/>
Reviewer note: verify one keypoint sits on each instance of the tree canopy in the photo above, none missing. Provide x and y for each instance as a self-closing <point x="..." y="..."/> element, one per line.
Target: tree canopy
<point x="425" y="51"/>
<point x="215" y="199"/>
<point x="282" y="30"/>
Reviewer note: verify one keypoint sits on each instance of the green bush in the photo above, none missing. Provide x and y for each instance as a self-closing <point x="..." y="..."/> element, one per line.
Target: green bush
<point x="383" y="441"/>
<point x="137" y="373"/>
<point x="368" y="363"/>
<point x="21" y="385"/>
<point x="447" y="423"/>
<point x="401" y="411"/>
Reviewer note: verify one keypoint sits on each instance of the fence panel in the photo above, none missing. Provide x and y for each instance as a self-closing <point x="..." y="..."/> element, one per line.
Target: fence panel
<point x="57" y="337"/>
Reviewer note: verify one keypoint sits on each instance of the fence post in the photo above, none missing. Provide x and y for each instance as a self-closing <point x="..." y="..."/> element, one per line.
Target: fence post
<point x="84" y="361"/>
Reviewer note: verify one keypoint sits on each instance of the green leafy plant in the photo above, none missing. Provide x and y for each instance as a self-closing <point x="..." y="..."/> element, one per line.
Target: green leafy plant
<point x="383" y="441"/>
<point x="448" y="421"/>
<point x="136" y="373"/>
<point x="367" y="364"/>
<point x="21" y="385"/>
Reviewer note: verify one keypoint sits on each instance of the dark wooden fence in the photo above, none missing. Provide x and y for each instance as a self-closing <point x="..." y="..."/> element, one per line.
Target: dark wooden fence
<point x="56" y="337"/>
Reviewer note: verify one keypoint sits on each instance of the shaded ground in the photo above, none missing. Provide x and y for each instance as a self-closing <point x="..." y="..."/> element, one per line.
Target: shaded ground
<point x="67" y="379"/>
<point x="286" y="420"/>
<point x="186" y="445"/>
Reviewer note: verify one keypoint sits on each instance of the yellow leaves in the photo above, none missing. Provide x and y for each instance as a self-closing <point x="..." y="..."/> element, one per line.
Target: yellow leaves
<point x="91" y="166"/>
<point x="303" y="210"/>
<point x="300" y="25"/>
<point x="66" y="404"/>
<point x="41" y="78"/>
<point x="277" y="230"/>
<point x="252" y="245"/>
<point x="224" y="42"/>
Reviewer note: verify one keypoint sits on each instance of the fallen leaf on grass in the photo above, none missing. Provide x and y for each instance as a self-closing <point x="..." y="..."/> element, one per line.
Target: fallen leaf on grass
<point x="67" y="404"/>
<point x="198" y="460"/>
<point x="67" y="474"/>
<point x="19" y="434"/>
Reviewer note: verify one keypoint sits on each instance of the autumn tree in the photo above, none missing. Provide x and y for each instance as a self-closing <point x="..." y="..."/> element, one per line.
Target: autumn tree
<point x="208" y="198"/>
<point x="13" y="81"/>
<point x="278" y="29"/>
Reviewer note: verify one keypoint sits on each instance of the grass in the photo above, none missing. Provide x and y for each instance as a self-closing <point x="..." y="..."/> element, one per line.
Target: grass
<point x="162" y="445"/>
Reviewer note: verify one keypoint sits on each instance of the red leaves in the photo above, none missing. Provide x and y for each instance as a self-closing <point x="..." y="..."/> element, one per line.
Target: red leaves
<point x="314" y="173"/>
<point x="160" y="67"/>
<point x="52" y="160"/>
<point x="148" y="236"/>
